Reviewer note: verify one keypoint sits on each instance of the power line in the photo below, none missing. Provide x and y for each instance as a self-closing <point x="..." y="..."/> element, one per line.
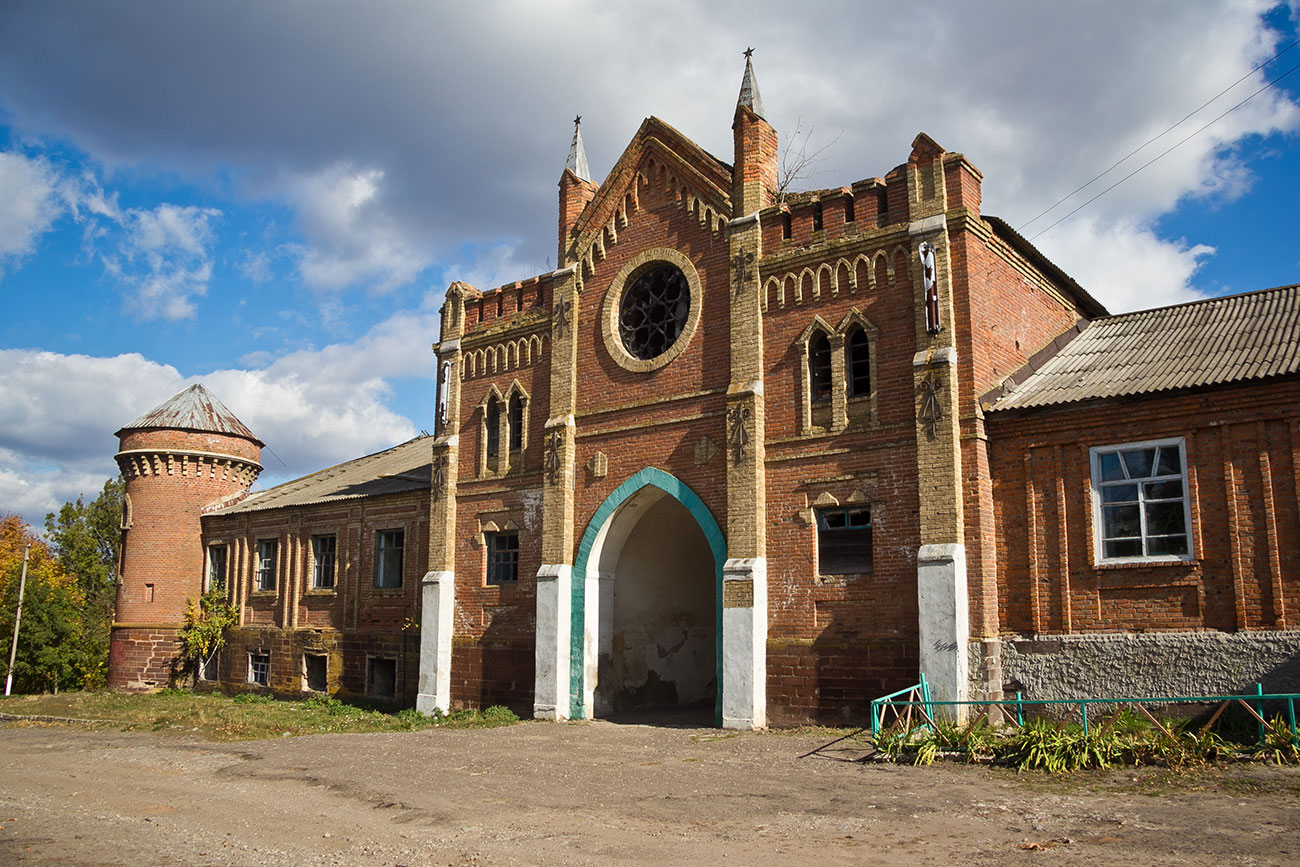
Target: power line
<point x="1155" y="138"/>
<point x="1167" y="151"/>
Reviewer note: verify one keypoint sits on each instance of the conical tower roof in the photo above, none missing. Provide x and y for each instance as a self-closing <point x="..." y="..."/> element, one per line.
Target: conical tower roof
<point x="749" y="95"/>
<point x="195" y="409"/>
<point x="577" y="161"/>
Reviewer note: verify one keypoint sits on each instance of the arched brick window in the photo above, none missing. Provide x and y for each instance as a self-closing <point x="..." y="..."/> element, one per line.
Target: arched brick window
<point x="819" y="367"/>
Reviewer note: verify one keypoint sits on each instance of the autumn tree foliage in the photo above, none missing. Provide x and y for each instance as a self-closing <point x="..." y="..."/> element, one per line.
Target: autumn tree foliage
<point x="50" y="654"/>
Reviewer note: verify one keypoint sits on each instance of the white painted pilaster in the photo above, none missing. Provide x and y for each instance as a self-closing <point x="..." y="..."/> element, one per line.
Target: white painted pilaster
<point x="437" y="604"/>
<point x="744" y="643"/>
<point x="944" y="621"/>
<point x="551" y="687"/>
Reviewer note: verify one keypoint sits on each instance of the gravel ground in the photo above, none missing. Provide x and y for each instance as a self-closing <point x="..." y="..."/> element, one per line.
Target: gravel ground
<point x="599" y="793"/>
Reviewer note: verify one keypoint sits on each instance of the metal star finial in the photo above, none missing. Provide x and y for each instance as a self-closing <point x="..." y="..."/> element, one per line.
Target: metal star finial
<point x="577" y="120"/>
<point x="749" y="52"/>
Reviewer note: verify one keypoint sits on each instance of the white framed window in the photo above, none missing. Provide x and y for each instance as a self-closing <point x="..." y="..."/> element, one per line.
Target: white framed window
<point x="216" y="568"/>
<point x="259" y="667"/>
<point x="1141" y="511"/>
<point x="266" y="551"/>
<point x="388" y="558"/>
<point x="323" y="550"/>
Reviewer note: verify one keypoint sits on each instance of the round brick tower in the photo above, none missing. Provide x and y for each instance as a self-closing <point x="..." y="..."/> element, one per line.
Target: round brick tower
<point x="186" y="454"/>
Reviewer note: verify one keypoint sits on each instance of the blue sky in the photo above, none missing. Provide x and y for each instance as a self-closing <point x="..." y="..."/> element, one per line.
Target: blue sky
<point x="272" y="198"/>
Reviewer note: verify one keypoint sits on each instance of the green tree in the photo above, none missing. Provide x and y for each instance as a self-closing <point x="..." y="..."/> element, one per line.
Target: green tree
<point x="50" y="639"/>
<point x="204" y="631"/>
<point x="85" y="538"/>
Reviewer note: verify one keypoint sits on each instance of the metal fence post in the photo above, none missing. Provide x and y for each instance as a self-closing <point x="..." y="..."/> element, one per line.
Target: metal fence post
<point x="1259" y="709"/>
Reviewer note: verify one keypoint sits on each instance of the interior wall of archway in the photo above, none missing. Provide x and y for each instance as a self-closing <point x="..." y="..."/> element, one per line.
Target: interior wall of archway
<point x="657" y="632"/>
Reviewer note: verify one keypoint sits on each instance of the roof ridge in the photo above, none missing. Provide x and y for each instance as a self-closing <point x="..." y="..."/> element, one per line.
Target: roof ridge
<point x="1230" y="296"/>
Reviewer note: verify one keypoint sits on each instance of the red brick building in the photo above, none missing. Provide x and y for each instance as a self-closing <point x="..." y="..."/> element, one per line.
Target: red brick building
<point x="776" y="454"/>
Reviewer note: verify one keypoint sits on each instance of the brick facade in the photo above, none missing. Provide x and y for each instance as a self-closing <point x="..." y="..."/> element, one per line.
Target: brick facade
<point x="548" y="419"/>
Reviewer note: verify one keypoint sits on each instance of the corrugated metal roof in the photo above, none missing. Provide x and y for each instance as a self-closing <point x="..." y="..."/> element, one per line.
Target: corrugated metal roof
<point x="407" y="467"/>
<point x="1211" y="342"/>
<point x="196" y="409"/>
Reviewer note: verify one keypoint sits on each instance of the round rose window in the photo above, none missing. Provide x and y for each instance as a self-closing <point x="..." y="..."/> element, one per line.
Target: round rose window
<point x="653" y="311"/>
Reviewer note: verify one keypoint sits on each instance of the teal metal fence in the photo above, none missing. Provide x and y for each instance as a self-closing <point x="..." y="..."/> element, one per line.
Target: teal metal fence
<point x="914" y="706"/>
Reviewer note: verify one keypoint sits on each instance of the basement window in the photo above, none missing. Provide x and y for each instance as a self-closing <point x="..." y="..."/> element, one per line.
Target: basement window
<point x="1140" y="506"/>
<point x="259" y="667"/>
<point x="315" y="670"/>
<point x="844" y="541"/>
<point x="209" y="670"/>
<point x="381" y="677"/>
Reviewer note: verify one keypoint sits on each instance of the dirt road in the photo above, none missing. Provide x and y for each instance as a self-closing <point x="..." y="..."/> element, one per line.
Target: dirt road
<point x="600" y="793"/>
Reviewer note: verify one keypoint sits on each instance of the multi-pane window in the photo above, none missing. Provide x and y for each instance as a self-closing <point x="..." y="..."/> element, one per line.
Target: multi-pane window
<point x="819" y="367"/>
<point x="259" y="667"/>
<point x="502" y="558"/>
<point x="859" y="363"/>
<point x="266" y="550"/>
<point x="844" y="540"/>
<point x="322" y="570"/>
<point x="217" y="568"/>
<point x="1141" y="506"/>
<point x="388" y="558"/>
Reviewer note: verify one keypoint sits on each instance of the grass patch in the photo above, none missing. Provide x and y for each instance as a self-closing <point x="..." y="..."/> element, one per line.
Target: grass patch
<point x="247" y="716"/>
<point x="1127" y="740"/>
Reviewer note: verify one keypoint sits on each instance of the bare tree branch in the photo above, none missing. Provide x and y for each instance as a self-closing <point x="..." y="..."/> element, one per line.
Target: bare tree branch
<point x="797" y="162"/>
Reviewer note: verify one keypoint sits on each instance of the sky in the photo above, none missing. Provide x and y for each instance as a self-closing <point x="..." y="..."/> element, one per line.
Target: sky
<point x="271" y="198"/>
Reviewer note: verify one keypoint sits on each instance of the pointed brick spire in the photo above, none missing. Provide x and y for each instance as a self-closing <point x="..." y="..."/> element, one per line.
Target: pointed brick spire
<point x="577" y="162"/>
<point x="749" y="96"/>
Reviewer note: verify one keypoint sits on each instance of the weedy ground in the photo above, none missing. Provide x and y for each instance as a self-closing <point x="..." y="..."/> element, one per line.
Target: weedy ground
<point x="243" y="717"/>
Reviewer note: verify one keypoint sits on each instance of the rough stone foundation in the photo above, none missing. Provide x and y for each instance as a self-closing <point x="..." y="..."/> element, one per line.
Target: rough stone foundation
<point x="1150" y="664"/>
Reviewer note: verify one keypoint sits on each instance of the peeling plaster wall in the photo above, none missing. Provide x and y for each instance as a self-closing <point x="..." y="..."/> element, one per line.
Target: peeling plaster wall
<point x="663" y="649"/>
<point x="1151" y="664"/>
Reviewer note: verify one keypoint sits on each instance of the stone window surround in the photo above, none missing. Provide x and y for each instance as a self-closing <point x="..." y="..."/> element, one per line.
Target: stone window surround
<point x="506" y="458"/>
<point x="843" y="407"/>
<point x="1098" y="529"/>
<point x="614" y="296"/>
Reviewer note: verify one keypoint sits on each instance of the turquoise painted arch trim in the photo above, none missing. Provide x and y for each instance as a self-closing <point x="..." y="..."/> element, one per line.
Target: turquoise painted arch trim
<point x="681" y="492"/>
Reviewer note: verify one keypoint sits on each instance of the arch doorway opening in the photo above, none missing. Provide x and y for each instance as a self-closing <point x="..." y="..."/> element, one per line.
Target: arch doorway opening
<point x="651" y="610"/>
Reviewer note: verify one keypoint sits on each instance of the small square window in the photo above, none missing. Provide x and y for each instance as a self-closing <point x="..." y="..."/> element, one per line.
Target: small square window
<point x="502" y="558"/>
<point x="388" y="558"/>
<point x="259" y="668"/>
<point x="266" y="551"/>
<point x="381" y="677"/>
<point x="1140" y="506"/>
<point x="217" y="568"/>
<point x="844" y="541"/>
<point x="322" y="572"/>
<point x="315" y="672"/>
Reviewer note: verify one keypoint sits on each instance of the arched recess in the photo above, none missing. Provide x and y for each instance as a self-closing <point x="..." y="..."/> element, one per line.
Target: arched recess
<point x="603" y="531"/>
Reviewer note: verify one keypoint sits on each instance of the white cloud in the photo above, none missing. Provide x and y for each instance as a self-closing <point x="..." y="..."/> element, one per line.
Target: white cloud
<point x="314" y="408"/>
<point x="351" y="239"/>
<point x="164" y="256"/>
<point x="28" y="188"/>
<point x="1125" y="266"/>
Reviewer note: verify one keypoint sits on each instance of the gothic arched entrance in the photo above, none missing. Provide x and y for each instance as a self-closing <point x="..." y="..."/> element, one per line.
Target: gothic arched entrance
<point x="646" y="612"/>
